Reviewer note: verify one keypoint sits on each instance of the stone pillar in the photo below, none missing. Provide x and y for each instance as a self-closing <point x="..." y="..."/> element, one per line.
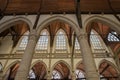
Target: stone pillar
<point x="88" y="60"/>
<point x="23" y="71"/>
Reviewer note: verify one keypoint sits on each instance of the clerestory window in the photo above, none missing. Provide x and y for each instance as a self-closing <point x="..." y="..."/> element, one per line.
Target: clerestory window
<point x="24" y="41"/>
<point x="61" y="44"/>
<point x="113" y="36"/>
<point x="42" y="43"/>
<point x="96" y="42"/>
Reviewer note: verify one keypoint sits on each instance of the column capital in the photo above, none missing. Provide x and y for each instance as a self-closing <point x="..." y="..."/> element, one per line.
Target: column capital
<point x="33" y="34"/>
<point x="83" y="35"/>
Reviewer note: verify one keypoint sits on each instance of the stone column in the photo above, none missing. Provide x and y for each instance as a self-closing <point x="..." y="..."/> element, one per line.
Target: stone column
<point x="23" y="71"/>
<point x="88" y="60"/>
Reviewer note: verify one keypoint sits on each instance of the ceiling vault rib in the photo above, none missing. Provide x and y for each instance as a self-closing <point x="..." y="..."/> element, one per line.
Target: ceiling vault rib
<point x="104" y="68"/>
<point x="73" y="48"/>
<point x="114" y="12"/>
<point x="78" y="13"/>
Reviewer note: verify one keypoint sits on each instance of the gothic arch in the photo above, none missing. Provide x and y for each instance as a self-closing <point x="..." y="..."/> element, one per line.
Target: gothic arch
<point x="109" y="62"/>
<point x="81" y="69"/>
<point x="61" y="61"/>
<point x="10" y="22"/>
<point x="113" y="25"/>
<point x="78" y="63"/>
<point x="8" y="67"/>
<point x="60" y="18"/>
<point x="38" y="62"/>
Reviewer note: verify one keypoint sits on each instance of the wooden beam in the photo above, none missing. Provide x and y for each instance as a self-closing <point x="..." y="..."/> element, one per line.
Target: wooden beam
<point x="114" y="12"/>
<point x="78" y="13"/>
<point x="38" y="16"/>
<point x="2" y="11"/>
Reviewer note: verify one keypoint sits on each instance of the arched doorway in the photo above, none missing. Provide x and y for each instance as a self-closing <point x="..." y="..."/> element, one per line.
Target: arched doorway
<point x="61" y="72"/>
<point x="107" y="71"/>
<point x="11" y="73"/>
<point x="80" y="71"/>
<point x="38" y="72"/>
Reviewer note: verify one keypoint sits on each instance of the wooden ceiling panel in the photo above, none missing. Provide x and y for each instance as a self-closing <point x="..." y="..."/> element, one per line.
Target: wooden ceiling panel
<point x="58" y="6"/>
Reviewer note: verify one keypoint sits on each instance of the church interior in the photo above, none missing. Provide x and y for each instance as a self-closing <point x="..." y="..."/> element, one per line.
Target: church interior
<point x="59" y="39"/>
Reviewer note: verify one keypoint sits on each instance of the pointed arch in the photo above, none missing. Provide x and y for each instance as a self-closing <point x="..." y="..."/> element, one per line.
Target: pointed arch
<point x="63" y="68"/>
<point x="108" y="70"/>
<point x="8" y="67"/>
<point x="112" y="24"/>
<point x="60" y="18"/>
<point x="80" y="70"/>
<point x="10" y="22"/>
<point x="39" y="69"/>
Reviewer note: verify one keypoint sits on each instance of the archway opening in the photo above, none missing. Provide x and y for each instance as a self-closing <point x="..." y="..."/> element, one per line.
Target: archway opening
<point x="61" y="72"/>
<point x="80" y="72"/>
<point x="15" y="31"/>
<point x="107" y="71"/>
<point x="38" y="72"/>
<point x="11" y="73"/>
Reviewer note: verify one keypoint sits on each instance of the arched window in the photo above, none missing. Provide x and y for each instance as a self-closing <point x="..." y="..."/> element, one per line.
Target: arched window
<point x="24" y="41"/>
<point x="77" y="46"/>
<point x="61" y="44"/>
<point x="42" y="44"/>
<point x="113" y="36"/>
<point x="79" y="75"/>
<point x="1" y="67"/>
<point x="56" y="74"/>
<point x="31" y="74"/>
<point x="96" y="42"/>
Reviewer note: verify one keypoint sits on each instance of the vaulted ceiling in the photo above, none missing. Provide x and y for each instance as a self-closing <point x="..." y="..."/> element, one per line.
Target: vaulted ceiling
<point x="58" y="6"/>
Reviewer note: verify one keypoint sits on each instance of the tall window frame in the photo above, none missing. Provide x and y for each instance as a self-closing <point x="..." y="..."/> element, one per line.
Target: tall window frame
<point x="43" y="42"/>
<point x="97" y="44"/>
<point x="24" y="41"/>
<point x="61" y="42"/>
